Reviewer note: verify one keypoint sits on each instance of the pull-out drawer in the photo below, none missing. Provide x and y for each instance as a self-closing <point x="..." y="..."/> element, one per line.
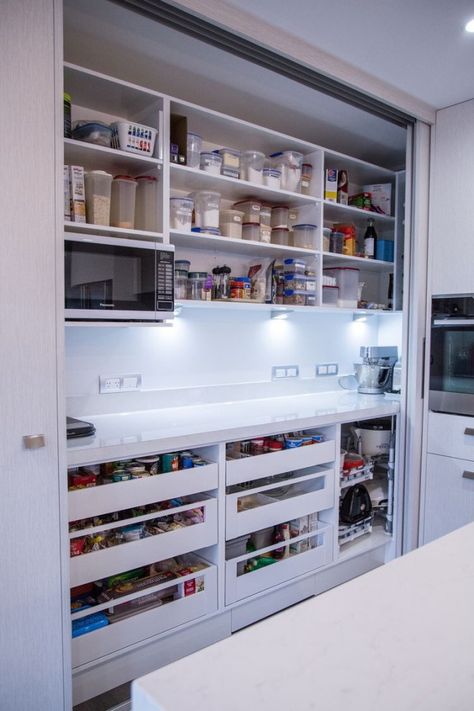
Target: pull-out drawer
<point x="240" y="585"/>
<point x="126" y="556"/>
<point x="104" y="499"/>
<point x="287" y="460"/>
<point x="253" y="509"/>
<point x="449" y="498"/>
<point x="156" y="620"/>
<point x="451" y="435"/>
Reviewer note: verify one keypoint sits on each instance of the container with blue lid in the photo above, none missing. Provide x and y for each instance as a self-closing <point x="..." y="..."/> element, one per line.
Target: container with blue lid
<point x="294" y="266"/>
<point x="207" y="230"/>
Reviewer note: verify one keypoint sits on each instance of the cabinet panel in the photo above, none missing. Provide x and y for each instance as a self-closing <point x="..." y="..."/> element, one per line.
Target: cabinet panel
<point x="449" y="502"/>
<point x="451" y="435"/>
<point x="452" y="244"/>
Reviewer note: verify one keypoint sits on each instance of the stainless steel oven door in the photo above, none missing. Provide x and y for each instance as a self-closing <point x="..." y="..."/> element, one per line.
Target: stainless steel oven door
<point x="452" y="366"/>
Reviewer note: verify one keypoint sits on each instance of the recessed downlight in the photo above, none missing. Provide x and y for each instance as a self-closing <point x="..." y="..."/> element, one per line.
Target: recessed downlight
<point x="469" y="26"/>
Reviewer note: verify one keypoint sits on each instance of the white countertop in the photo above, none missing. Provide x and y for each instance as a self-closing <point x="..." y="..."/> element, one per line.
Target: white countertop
<point x="143" y="432"/>
<point x="400" y="638"/>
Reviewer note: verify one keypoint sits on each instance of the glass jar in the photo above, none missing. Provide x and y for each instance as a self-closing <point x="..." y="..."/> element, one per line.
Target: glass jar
<point x="196" y="286"/>
<point x="181" y="212"/>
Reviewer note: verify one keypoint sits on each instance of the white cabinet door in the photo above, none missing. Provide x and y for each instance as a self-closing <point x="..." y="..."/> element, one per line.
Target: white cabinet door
<point x="452" y="216"/>
<point x="34" y="652"/>
<point x="449" y="495"/>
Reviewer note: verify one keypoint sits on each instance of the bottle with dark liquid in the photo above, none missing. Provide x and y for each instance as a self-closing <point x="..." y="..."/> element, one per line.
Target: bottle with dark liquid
<point x="370" y="240"/>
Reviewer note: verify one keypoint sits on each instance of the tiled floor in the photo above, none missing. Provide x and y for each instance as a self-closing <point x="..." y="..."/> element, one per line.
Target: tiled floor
<point x="108" y="701"/>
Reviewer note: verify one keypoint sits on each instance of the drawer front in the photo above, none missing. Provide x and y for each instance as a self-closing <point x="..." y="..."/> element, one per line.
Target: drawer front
<point x="98" y="500"/>
<point x="136" y="628"/>
<point x="248" y="468"/>
<point x="239" y="587"/>
<point x="451" y="435"/>
<point x="238" y="523"/>
<point x="449" y="497"/>
<point x="100" y="564"/>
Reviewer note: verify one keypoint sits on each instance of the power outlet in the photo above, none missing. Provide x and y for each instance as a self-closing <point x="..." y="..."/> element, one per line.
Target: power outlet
<point x="119" y="383"/>
<point x="285" y="371"/>
<point x="326" y="369"/>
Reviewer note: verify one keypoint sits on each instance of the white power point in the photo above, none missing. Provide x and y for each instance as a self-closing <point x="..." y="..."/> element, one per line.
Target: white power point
<point x="119" y="383"/>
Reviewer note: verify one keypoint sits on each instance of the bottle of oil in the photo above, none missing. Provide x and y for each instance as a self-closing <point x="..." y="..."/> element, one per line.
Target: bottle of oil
<point x="370" y="240"/>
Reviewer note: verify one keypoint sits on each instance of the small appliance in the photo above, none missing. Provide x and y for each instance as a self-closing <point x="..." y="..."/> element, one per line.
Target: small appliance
<point x="375" y="374"/>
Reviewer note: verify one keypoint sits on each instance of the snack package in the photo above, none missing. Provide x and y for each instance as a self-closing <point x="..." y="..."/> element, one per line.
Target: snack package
<point x="261" y="281"/>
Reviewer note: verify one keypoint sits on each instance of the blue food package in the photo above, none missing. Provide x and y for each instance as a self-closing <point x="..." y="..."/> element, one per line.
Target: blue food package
<point x="89" y="624"/>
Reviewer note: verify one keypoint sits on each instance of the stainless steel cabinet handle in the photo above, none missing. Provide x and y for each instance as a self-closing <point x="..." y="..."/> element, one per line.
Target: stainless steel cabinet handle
<point x="468" y="475"/>
<point x="34" y="441"/>
<point x="469" y="431"/>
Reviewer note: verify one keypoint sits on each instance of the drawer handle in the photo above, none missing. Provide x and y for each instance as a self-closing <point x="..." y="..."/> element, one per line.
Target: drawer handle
<point x="469" y="431"/>
<point x="468" y="475"/>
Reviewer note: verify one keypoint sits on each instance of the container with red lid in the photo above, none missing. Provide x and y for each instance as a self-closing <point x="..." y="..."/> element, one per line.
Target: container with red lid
<point x="122" y="208"/>
<point x="146" y="203"/>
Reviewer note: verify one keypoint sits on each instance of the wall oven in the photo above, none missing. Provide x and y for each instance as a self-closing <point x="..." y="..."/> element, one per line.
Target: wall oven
<point x="452" y="355"/>
<point x="110" y="279"/>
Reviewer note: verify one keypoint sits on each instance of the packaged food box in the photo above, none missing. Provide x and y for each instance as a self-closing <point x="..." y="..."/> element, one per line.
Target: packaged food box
<point x="330" y="189"/>
<point x="77" y="193"/>
<point x="362" y="200"/>
<point x="67" y="194"/>
<point x="381" y="197"/>
<point x="343" y="187"/>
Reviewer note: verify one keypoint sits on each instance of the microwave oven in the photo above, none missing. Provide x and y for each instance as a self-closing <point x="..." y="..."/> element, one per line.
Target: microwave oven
<point x="110" y="279"/>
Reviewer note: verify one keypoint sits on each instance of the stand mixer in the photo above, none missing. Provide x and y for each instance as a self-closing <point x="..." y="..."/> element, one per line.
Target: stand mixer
<point x="375" y="373"/>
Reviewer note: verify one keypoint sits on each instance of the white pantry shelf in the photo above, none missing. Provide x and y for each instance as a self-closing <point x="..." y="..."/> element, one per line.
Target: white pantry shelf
<point x="93" y="157"/>
<point x="334" y="212"/>
<point x="107" y="231"/>
<point x="331" y="259"/>
<point x="200" y="240"/>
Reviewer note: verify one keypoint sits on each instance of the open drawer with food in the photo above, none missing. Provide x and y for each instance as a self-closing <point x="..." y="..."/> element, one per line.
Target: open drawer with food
<point x="265" y="502"/>
<point x="120" y="610"/>
<point x="110" y="486"/>
<point x="111" y="543"/>
<point x="265" y="456"/>
<point x="275" y="554"/>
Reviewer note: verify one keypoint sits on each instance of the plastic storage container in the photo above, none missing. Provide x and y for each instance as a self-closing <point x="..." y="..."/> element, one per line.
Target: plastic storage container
<point x="296" y="281"/>
<point x="182" y="265"/>
<point x="279" y="216"/>
<point x="265" y="234"/>
<point x="304" y="236"/>
<point x="272" y="178"/>
<point x="133" y="137"/>
<point x="93" y="132"/>
<point x="230" y="223"/>
<point x="181" y="284"/>
<point x="193" y="150"/>
<point x="181" y="213"/>
<point x="206" y="208"/>
<point x="146" y="203"/>
<point x="347" y="279"/>
<point x="196" y="286"/>
<point x="294" y="297"/>
<point x="251" y="210"/>
<point x="98" y="186"/>
<point x="266" y="215"/>
<point x="294" y="266"/>
<point x="122" y="207"/>
<point x="280" y="235"/>
<point x="211" y="163"/>
<point x="251" y="231"/>
<point x="251" y="166"/>
<point x="330" y="295"/>
<point x="336" y="242"/>
<point x="230" y="162"/>
<point x="326" y="239"/>
<point x="306" y="176"/>
<point x="289" y="163"/>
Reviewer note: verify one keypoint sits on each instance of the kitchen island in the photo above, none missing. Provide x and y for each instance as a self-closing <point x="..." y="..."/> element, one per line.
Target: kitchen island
<point x="400" y="637"/>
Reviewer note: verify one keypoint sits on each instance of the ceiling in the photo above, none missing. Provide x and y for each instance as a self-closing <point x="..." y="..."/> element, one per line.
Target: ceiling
<point x="419" y="46"/>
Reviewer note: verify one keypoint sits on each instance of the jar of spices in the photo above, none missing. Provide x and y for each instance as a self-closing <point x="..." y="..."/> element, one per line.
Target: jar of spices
<point x="196" y="286"/>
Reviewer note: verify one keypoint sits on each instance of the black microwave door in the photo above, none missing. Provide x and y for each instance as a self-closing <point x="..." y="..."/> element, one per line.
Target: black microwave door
<point x="109" y="277"/>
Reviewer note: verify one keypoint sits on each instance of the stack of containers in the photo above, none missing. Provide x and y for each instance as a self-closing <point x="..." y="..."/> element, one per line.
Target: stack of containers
<point x="255" y="220"/>
<point x="330" y="290"/>
<point x="347" y="280"/>
<point x="299" y="283"/>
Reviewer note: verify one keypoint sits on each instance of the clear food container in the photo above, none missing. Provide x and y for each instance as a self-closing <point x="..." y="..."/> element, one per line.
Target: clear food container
<point x="206" y="208"/>
<point x="279" y="217"/>
<point x="326" y="239"/>
<point x="330" y="295"/>
<point x="193" y="150"/>
<point x="304" y="236"/>
<point x="122" y="207"/>
<point x="294" y="266"/>
<point x="196" y="286"/>
<point x="266" y="215"/>
<point x="289" y="163"/>
<point x="251" y="231"/>
<point x="230" y="162"/>
<point x="98" y="186"/>
<point x="182" y="265"/>
<point x="146" y="203"/>
<point x="252" y="163"/>
<point x="280" y="235"/>
<point x="336" y="242"/>
<point x="306" y="175"/>
<point x="265" y="233"/>
<point x="230" y="223"/>
<point x="296" y="281"/>
<point x="294" y="297"/>
<point x="211" y="163"/>
<point x="310" y="300"/>
<point x="251" y="210"/>
<point x="272" y="178"/>
<point x="347" y="279"/>
<point x="93" y="132"/>
<point x="181" y="284"/>
<point x="181" y="213"/>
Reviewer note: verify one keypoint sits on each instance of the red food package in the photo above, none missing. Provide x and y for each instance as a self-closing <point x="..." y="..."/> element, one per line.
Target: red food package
<point x="81" y="480"/>
<point x="189" y="587"/>
<point x="77" y="546"/>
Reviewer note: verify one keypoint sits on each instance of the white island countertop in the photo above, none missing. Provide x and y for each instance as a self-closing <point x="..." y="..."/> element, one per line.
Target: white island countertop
<point x="400" y="638"/>
<point x="126" y="434"/>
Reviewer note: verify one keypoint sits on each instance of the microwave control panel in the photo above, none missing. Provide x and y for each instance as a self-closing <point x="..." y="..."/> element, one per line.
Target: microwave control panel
<point x="164" y="280"/>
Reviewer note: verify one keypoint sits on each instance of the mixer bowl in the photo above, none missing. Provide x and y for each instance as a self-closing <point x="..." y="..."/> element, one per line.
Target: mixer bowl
<point x="372" y="379"/>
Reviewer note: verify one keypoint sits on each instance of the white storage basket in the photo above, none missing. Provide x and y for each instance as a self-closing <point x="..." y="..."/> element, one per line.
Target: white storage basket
<point x="133" y="137"/>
